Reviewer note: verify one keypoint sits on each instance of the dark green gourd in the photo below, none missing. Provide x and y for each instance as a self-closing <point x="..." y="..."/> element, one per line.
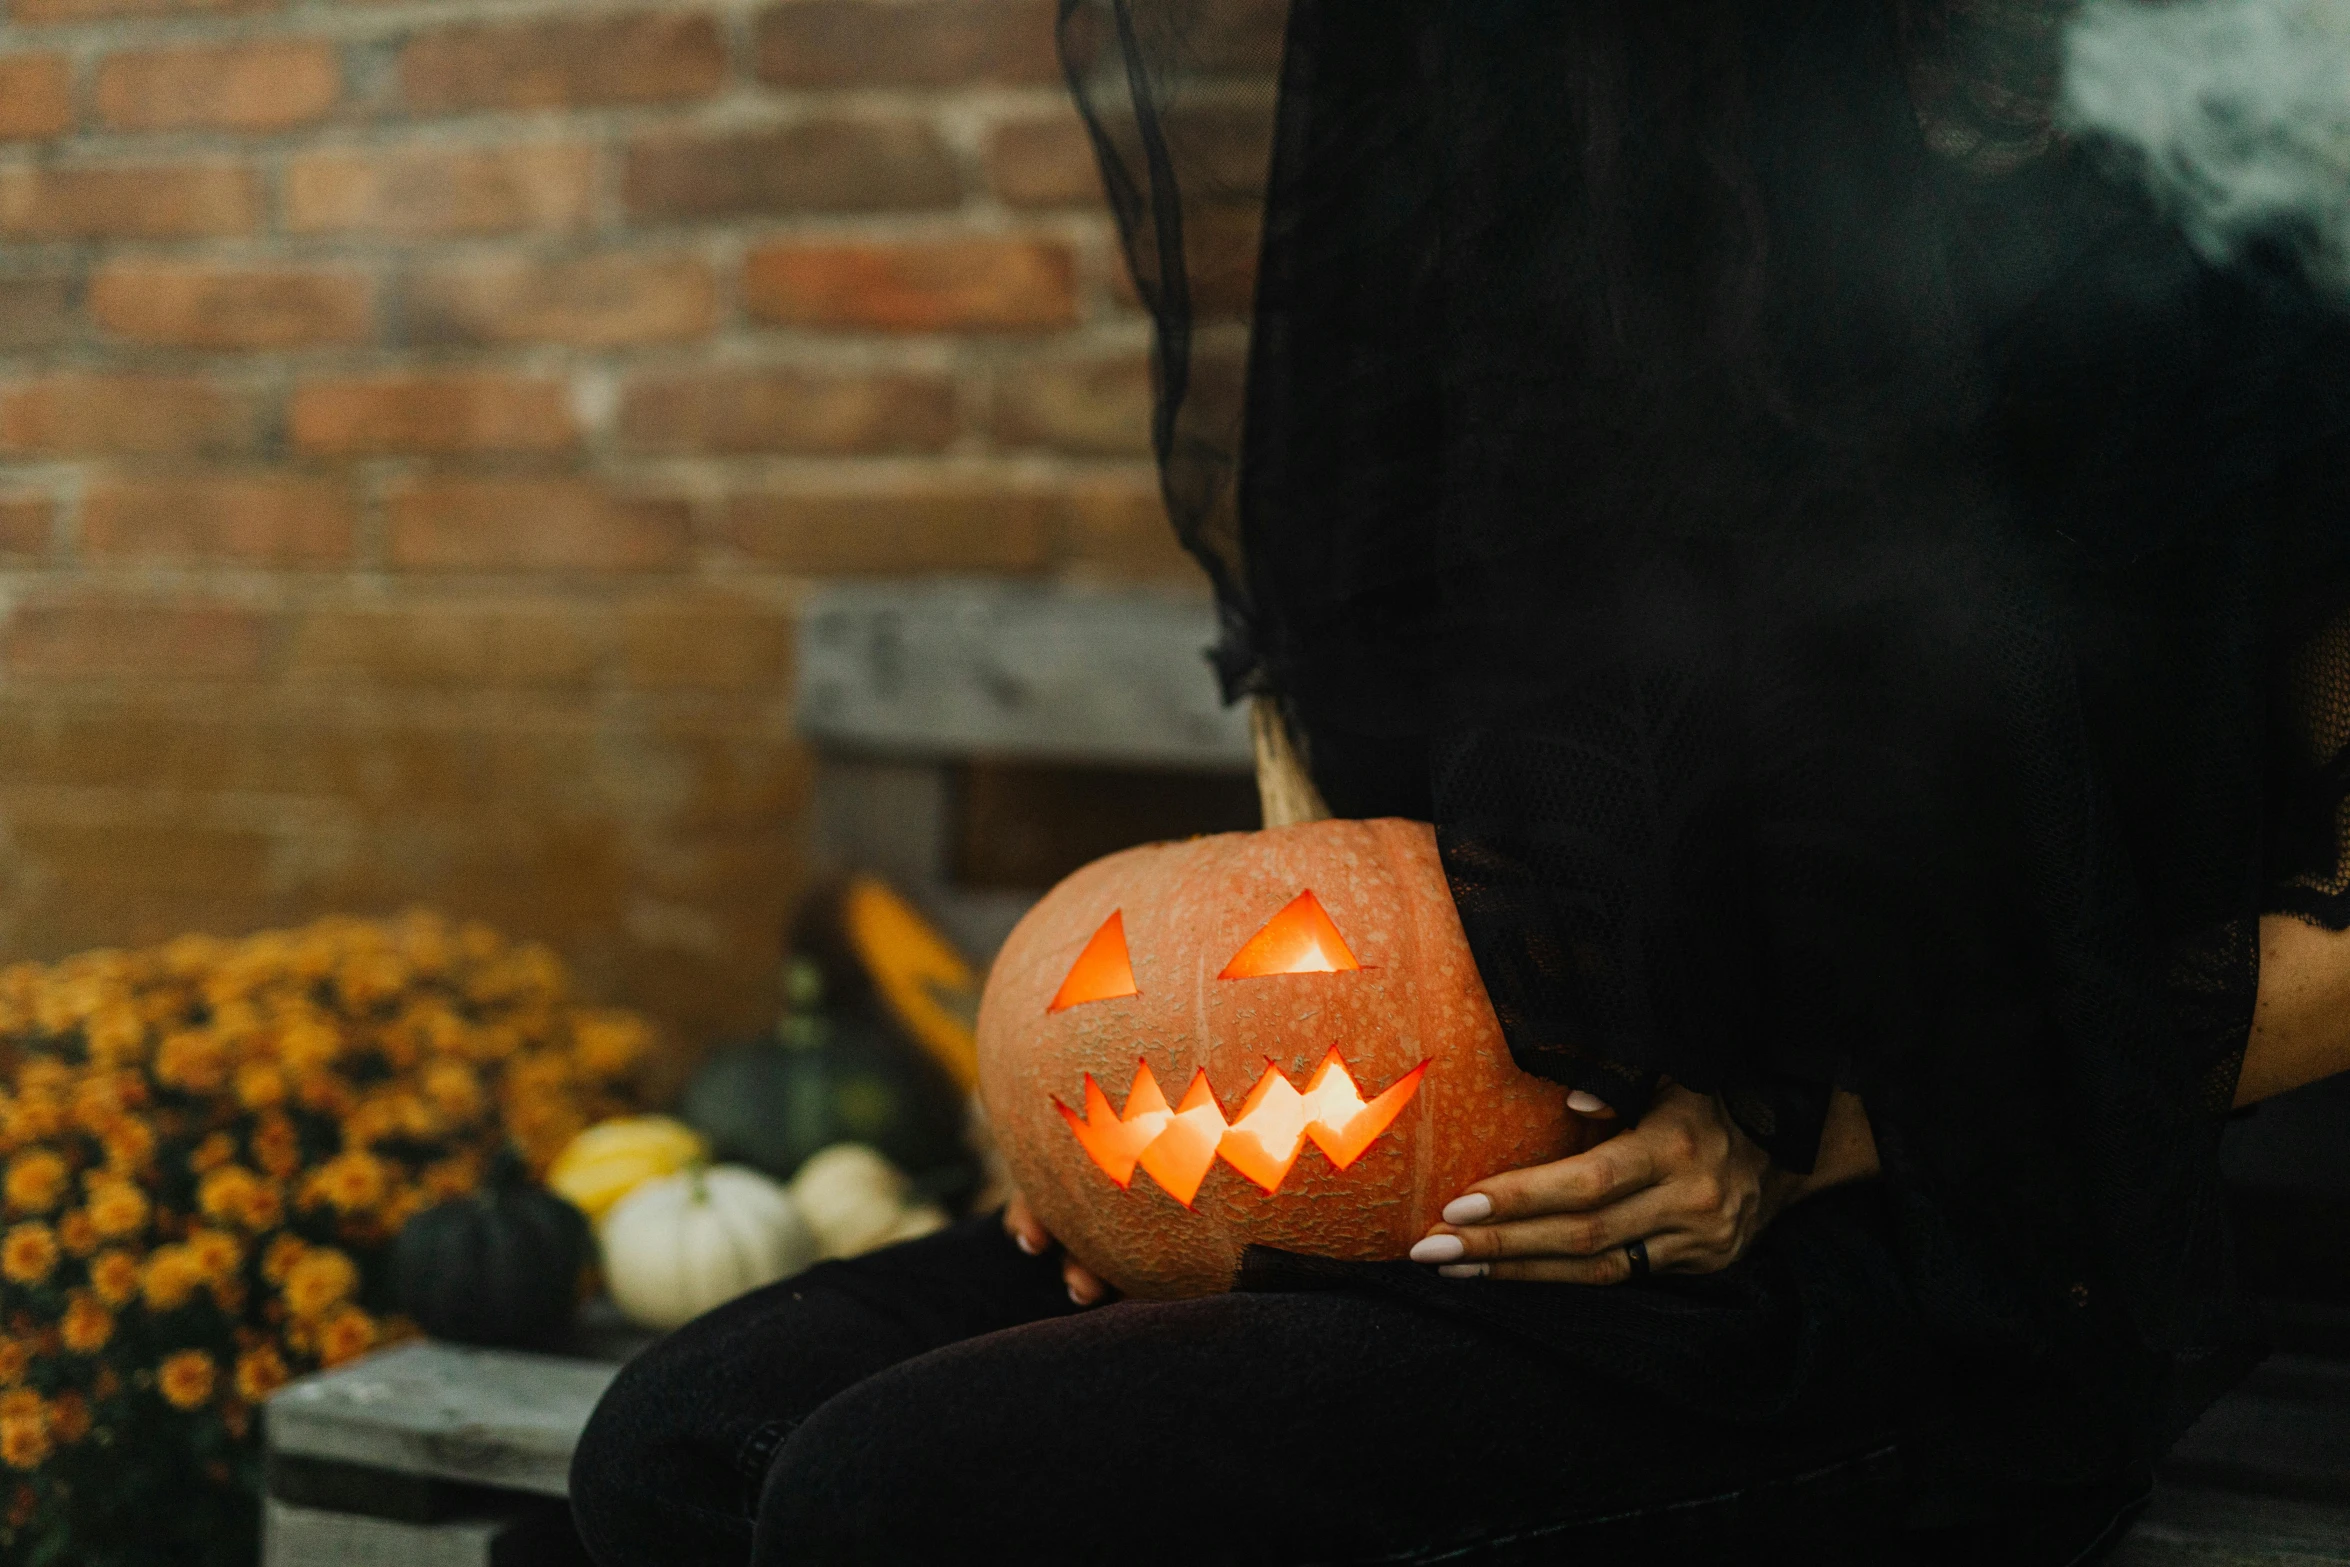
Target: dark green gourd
<point x="825" y="1077"/>
<point x="500" y="1268"/>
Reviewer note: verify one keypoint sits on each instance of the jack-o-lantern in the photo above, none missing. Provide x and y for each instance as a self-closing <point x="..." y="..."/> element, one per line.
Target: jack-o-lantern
<point x="1273" y="1038"/>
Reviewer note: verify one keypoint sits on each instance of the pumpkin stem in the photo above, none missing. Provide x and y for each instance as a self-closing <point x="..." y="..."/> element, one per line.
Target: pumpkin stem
<point x="508" y="1169"/>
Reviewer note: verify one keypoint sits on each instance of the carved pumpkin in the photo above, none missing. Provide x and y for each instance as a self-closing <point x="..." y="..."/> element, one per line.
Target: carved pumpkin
<point x="1276" y="1038"/>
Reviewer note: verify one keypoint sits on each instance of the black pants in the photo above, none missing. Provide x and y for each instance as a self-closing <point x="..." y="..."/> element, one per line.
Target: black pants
<point x="941" y="1402"/>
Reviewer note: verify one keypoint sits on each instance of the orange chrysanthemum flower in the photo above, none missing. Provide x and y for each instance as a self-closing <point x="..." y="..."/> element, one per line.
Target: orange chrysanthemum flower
<point x="218" y="1253"/>
<point x="87" y="1325"/>
<point x="16" y="1358"/>
<point x="29" y="1254"/>
<point x="260" y="1372"/>
<point x="213" y="1152"/>
<point x="170" y="1279"/>
<point x="24" y="1441"/>
<point x="279" y="1259"/>
<point x="319" y="1281"/>
<point x="345" y="1336"/>
<point x="77" y="1232"/>
<point x="277" y="1147"/>
<point x="260" y="1086"/>
<point x="353" y="1182"/>
<point x="114" y="1276"/>
<point x="36" y="1181"/>
<point x="185" y="1379"/>
<point x="117" y="1207"/>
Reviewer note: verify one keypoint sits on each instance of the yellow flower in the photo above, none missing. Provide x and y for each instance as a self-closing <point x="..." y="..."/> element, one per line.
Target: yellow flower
<point x="36" y="1180"/>
<point x="185" y="1379"/>
<point x="77" y="1233"/>
<point x="115" y="1035"/>
<point x="306" y="1045"/>
<point x="608" y="1044"/>
<point x="87" y="1325"/>
<point x="260" y="1372"/>
<point x="278" y="1261"/>
<point x="353" y="1182"/>
<point x="171" y="1277"/>
<point x="117" y="1207"/>
<point x="115" y="1277"/>
<point x="233" y="1194"/>
<point x="192" y="1060"/>
<point x="454" y="1089"/>
<point x="24" y="1440"/>
<point x="16" y="1358"/>
<point x="277" y="1147"/>
<point x="260" y="1086"/>
<point x="29" y="1253"/>
<point x="130" y="1143"/>
<point x="213" y="1152"/>
<point x="217" y="1253"/>
<point x="346" y="1335"/>
<point x="319" y="1281"/>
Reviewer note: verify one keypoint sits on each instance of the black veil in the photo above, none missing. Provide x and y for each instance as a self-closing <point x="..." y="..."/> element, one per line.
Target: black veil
<point x="1850" y="585"/>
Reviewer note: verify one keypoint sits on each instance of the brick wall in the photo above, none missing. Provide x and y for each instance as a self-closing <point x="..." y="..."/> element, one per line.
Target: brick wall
<point x="418" y="421"/>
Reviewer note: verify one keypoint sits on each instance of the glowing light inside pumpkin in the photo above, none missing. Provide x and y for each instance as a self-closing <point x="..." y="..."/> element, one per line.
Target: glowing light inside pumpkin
<point x="1102" y="972"/>
<point x="1176" y="1146"/>
<point x="1298" y="940"/>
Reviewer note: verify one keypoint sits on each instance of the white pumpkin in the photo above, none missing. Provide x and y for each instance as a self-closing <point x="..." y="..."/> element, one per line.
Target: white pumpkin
<point x="852" y="1197"/>
<point x="682" y="1244"/>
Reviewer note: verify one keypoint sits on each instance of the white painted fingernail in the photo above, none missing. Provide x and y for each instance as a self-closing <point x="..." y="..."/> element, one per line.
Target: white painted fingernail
<point x="1468" y="1210"/>
<point x="1466" y="1270"/>
<point x="1077" y="1298"/>
<point x="1440" y="1248"/>
<point x="1025" y="1244"/>
<point x="1586" y="1104"/>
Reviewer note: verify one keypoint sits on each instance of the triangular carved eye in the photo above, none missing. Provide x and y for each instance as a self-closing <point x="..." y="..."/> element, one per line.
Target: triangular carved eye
<point x="1102" y="971"/>
<point x="1298" y="940"/>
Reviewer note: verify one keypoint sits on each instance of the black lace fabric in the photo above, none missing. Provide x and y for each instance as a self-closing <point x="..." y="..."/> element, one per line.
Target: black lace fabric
<point x="1861" y="600"/>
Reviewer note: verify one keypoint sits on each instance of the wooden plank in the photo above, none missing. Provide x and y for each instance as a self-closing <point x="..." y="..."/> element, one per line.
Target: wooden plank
<point x="965" y="668"/>
<point x="526" y="1534"/>
<point x="486" y="1417"/>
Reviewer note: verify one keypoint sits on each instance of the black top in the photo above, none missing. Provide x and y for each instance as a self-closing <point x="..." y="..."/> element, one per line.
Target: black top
<point x="1856" y="614"/>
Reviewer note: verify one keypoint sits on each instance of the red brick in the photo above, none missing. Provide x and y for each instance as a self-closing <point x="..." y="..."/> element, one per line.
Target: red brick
<point x="171" y="304"/>
<point x="925" y="43"/>
<point x="706" y="644"/>
<point x="1117" y="530"/>
<point x="96" y="10"/>
<point x="742" y="413"/>
<point x="592" y="301"/>
<point x="820" y="166"/>
<point x="654" y="57"/>
<point x="451" y="524"/>
<point x="128" y="201"/>
<point x="36" y="96"/>
<point x="26" y="522"/>
<point x="417" y="192"/>
<point x="101" y="635"/>
<point x="266" y="85"/>
<point x="964" y="285"/>
<point x="1086" y="407"/>
<point x="437" y="414"/>
<point x="75" y="415"/>
<point x="466" y="646"/>
<point x="36" y="311"/>
<point x="1044" y="163"/>
<point x="267" y="519"/>
<point x="931" y="527"/>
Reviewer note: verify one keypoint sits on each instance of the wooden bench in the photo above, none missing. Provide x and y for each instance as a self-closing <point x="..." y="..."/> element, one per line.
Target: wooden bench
<point x="434" y="1456"/>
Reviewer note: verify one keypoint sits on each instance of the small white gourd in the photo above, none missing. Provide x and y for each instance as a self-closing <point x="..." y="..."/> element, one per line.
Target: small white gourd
<point x="852" y="1198"/>
<point x="680" y="1245"/>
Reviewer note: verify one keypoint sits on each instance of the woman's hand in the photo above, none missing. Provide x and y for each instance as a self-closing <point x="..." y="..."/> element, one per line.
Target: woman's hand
<point x="1030" y="1235"/>
<point x="1686" y="1182"/>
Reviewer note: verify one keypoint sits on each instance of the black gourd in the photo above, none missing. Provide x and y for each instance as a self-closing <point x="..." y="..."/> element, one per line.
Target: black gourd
<point x="824" y="1077"/>
<point x="499" y="1269"/>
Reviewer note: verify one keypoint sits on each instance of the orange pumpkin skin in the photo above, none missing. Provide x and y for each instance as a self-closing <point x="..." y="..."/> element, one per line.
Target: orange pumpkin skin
<point x="1187" y="910"/>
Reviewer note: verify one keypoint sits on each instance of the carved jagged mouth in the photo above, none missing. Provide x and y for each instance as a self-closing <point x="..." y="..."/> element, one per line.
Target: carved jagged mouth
<point x="1176" y="1146"/>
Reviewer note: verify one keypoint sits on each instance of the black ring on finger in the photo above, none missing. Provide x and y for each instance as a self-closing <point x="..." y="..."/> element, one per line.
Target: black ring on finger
<point x="1636" y="1253"/>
